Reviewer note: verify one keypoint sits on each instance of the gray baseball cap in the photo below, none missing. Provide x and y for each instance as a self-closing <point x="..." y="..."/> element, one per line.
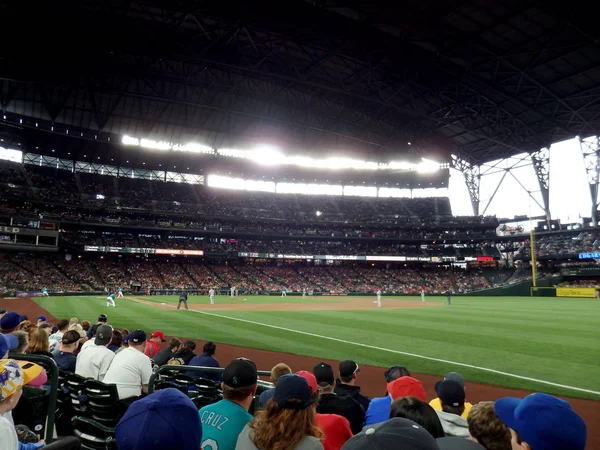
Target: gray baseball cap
<point x="389" y="434"/>
<point x="103" y="334"/>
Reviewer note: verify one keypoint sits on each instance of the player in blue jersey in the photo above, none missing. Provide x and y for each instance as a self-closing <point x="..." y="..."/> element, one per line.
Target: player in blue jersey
<point x="110" y="300"/>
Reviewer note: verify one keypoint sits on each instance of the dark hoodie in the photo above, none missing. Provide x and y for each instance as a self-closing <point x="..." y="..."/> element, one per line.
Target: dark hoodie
<point x="353" y="392"/>
<point x="185" y="354"/>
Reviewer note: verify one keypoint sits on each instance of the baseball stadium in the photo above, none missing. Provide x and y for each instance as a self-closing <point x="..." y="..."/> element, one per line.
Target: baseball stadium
<point x="299" y="225"/>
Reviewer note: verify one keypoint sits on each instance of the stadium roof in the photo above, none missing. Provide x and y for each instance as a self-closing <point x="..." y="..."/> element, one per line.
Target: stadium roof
<point x="481" y="78"/>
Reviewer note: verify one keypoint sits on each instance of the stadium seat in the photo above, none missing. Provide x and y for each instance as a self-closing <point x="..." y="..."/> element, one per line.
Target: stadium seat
<point x="93" y="435"/>
<point x="103" y="403"/>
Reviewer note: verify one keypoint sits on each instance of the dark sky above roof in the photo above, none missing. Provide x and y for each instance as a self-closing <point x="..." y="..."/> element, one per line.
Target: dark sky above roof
<point x="481" y="78"/>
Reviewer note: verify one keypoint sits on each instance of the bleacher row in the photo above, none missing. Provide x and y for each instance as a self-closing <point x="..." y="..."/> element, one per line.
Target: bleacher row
<point x="32" y="272"/>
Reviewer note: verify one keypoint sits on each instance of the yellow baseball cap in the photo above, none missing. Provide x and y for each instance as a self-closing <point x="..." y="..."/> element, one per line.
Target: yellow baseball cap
<point x="11" y="378"/>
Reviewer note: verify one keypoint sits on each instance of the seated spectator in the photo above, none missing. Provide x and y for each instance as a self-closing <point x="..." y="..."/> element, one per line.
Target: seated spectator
<point x="86" y="325"/>
<point x="95" y="358"/>
<point x="346" y="383"/>
<point x="287" y="422"/>
<point x="66" y="360"/>
<point x="277" y="371"/>
<point x="116" y="341"/>
<point x="331" y="403"/>
<point x="10" y="322"/>
<point x="23" y="339"/>
<point x="163" y="357"/>
<point x="222" y="422"/>
<point x="56" y="338"/>
<point x="486" y="428"/>
<point x="394" y="433"/>
<point x="418" y="411"/>
<point x="73" y="321"/>
<point x="336" y="429"/>
<point x="41" y="320"/>
<point x="12" y="380"/>
<point x="164" y="420"/>
<point x="131" y="368"/>
<point x="379" y="408"/>
<point x="436" y="404"/>
<point x="7" y="342"/>
<point x="185" y="355"/>
<point x="153" y="343"/>
<point x="452" y="398"/>
<point x="205" y="359"/>
<point x="454" y="443"/>
<point x="540" y="421"/>
<point x="91" y="331"/>
<point x="38" y="344"/>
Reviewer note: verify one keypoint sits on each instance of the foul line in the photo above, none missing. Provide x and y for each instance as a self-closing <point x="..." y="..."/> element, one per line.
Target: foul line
<point x="414" y="355"/>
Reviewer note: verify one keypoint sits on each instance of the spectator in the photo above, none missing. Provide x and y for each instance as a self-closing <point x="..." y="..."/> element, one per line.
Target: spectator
<point x="7" y="342"/>
<point x="41" y="320"/>
<point x="66" y="360"/>
<point x="131" y="369"/>
<point x="116" y="341"/>
<point x="91" y="332"/>
<point x="540" y="421"/>
<point x="164" y="420"/>
<point x="95" y="358"/>
<point x="205" y="359"/>
<point x="331" y="403"/>
<point x="73" y="321"/>
<point x="86" y="325"/>
<point x="346" y="384"/>
<point x="9" y="322"/>
<point x="287" y="422"/>
<point x="167" y="353"/>
<point x="452" y="398"/>
<point x="487" y="429"/>
<point x="418" y="411"/>
<point x="454" y="443"/>
<point x="276" y="372"/>
<point x="38" y="344"/>
<point x="56" y="338"/>
<point x="23" y="339"/>
<point x="153" y="344"/>
<point x="379" y="408"/>
<point x="336" y="429"/>
<point x="394" y="433"/>
<point x="185" y="355"/>
<point x="436" y="404"/>
<point x="222" y="422"/>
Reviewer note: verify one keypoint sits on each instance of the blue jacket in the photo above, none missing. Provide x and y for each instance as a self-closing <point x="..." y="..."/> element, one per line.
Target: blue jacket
<point x="378" y="410"/>
<point x="204" y="360"/>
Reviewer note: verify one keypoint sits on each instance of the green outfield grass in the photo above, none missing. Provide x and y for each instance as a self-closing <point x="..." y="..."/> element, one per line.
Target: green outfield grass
<point x="550" y="339"/>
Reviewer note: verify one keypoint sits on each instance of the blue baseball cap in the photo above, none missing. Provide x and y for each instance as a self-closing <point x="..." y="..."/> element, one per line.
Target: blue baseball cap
<point x="7" y="342"/>
<point x="166" y="419"/>
<point x="137" y="337"/>
<point x="543" y="421"/>
<point x="42" y="319"/>
<point x="10" y="321"/>
<point x="292" y="392"/>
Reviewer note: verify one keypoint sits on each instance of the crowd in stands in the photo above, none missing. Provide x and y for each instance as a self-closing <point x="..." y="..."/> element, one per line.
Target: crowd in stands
<point x="561" y="246"/>
<point x="34" y="272"/>
<point x="302" y="408"/>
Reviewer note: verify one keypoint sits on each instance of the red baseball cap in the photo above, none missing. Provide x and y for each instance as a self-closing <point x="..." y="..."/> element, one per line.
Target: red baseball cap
<point x="406" y="387"/>
<point x="310" y="379"/>
<point x="159" y="334"/>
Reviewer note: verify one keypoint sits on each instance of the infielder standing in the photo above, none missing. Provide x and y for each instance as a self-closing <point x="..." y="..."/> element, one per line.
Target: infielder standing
<point x="303" y="292"/>
<point x="283" y="292"/>
<point x="211" y="295"/>
<point x="120" y="293"/>
<point x="379" y="298"/>
<point x="422" y="294"/>
<point x="448" y="297"/>
<point x="232" y="289"/>
<point x="183" y="298"/>
<point x="110" y="300"/>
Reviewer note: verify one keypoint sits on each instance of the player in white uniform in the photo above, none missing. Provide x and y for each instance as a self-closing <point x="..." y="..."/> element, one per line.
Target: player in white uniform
<point x="232" y="291"/>
<point x="283" y="292"/>
<point x="303" y="292"/>
<point x="422" y="294"/>
<point x="211" y="295"/>
<point x="379" y="298"/>
<point x="120" y="293"/>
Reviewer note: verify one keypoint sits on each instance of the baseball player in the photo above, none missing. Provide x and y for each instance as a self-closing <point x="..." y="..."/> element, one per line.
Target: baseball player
<point x="183" y="298"/>
<point x="304" y="292"/>
<point x="448" y="297"/>
<point x="120" y="293"/>
<point x="211" y="295"/>
<point x="379" y="298"/>
<point x="422" y="294"/>
<point x="283" y="292"/>
<point x="110" y="300"/>
<point x="45" y="292"/>
<point x="232" y="291"/>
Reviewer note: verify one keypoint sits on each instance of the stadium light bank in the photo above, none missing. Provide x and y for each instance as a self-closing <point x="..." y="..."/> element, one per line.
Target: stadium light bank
<point x="272" y="156"/>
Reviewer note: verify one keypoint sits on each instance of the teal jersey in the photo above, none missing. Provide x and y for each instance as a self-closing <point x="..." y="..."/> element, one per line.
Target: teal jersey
<point x="120" y="290"/>
<point x="222" y="422"/>
<point x="45" y="290"/>
<point x="113" y="296"/>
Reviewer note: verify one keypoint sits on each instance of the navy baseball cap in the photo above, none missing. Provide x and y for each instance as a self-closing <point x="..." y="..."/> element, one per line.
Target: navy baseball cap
<point x="240" y="373"/>
<point x="393" y="433"/>
<point x="323" y="372"/>
<point x="165" y="419"/>
<point x="137" y="336"/>
<point x="7" y="342"/>
<point x="348" y="368"/>
<point x="10" y="321"/>
<point x="42" y="319"/>
<point x="543" y="421"/>
<point x="292" y="392"/>
<point x="451" y="393"/>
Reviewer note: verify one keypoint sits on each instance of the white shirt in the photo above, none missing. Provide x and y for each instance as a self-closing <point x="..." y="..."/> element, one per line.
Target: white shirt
<point x="88" y="343"/>
<point x="129" y="371"/>
<point x="211" y="292"/>
<point x="93" y="361"/>
<point x="8" y="435"/>
<point x="55" y="340"/>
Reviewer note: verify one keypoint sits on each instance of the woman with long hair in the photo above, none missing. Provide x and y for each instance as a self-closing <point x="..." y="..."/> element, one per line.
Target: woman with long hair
<point x="287" y="422"/>
<point x="39" y="343"/>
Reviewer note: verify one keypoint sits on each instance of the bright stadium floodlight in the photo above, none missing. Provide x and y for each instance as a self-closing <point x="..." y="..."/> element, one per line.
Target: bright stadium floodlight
<point x="193" y="148"/>
<point x="427" y="166"/>
<point x="130" y="140"/>
<point x="10" y="154"/>
<point x="155" y="145"/>
<point x="231" y="152"/>
<point x="319" y="213"/>
<point x="266" y="155"/>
